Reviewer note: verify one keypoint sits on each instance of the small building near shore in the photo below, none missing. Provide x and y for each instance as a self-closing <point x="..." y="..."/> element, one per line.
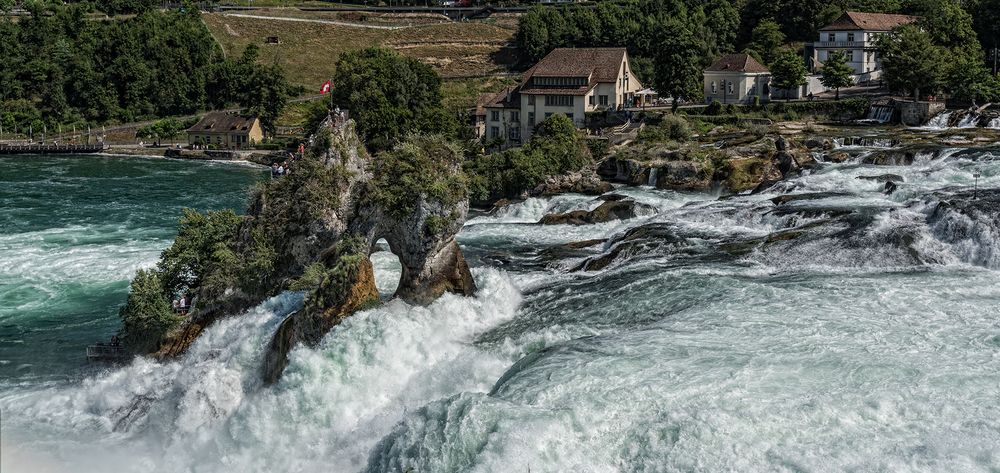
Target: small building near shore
<point x="737" y="78"/>
<point x="226" y="130"/>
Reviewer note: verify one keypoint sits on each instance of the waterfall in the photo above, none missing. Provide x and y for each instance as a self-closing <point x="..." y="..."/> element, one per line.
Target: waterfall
<point x="969" y="121"/>
<point x="880" y="114"/>
<point x="866" y="142"/>
<point x="994" y="123"/>
<point x="939" y="122"/>
<point x="652" y="176"/>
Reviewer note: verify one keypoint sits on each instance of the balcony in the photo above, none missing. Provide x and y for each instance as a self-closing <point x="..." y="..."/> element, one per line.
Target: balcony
<point x="841" y="44"/>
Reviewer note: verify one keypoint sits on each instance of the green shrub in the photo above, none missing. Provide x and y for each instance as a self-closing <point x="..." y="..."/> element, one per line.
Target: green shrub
<point x="714" y="108"/>
<point x="147" y="314"/>
<point x="422" y="165"/>
<point x="554" y="149"/>
<point x="731" y="109"/>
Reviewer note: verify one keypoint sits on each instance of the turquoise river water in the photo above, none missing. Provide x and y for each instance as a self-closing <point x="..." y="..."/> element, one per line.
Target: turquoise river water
<point x="841" y="330"/>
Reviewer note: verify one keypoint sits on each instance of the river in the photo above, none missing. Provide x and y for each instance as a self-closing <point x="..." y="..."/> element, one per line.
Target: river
<point x="841" y="330"/>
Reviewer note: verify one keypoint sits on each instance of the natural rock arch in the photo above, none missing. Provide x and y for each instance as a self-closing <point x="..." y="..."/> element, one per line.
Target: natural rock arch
<point x="315" y="229"/>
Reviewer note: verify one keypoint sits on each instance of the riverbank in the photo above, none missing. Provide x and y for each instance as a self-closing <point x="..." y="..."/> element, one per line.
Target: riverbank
<point x="259" y="157"/>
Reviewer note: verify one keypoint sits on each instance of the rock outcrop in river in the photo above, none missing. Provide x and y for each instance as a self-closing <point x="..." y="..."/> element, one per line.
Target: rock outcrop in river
<point x="313" y="231"/>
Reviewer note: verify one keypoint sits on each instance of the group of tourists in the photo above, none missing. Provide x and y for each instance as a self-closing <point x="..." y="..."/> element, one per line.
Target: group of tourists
<point x="280" y="169"/>
<point x="180" y="305"/>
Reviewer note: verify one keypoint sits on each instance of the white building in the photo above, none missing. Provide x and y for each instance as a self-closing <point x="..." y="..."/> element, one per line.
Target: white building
<point x="567" y="81"/>
<point x="855" y="35"/>
<point x="737" y="78"/>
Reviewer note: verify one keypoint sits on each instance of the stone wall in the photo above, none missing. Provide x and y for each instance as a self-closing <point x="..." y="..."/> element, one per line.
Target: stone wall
<point x="917" y="113"/>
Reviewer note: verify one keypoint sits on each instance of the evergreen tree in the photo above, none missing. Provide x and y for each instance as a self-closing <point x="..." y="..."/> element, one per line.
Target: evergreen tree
<point x="911" y="61"/>
<point x="837" y="73"/>
<point x="788" y="71"/>
<point x="767" y="40"/>
<point x="678" y="65"/>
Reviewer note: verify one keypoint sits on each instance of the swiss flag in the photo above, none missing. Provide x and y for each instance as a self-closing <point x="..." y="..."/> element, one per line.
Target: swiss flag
<point x="325" y="89"/>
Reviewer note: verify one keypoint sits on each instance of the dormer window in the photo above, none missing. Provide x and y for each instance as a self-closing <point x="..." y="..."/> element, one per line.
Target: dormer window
<point x="850" y="36"/>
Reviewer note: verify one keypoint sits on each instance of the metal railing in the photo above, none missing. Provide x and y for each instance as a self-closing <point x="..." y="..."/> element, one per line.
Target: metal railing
<point x="841" y="44"/>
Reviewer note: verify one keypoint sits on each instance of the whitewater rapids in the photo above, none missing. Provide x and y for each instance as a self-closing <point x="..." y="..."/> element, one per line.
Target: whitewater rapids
<point x="868" y="342"/>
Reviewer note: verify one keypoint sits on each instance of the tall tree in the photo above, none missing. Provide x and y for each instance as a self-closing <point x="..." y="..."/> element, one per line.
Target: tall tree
<point x="836" y="72"/>
<point x="767" y="40"/>
<point x="389" y="95"/>
<point x="677" y="71"/>
<point x="788" y="71"/>
<point x="910" y="60"/>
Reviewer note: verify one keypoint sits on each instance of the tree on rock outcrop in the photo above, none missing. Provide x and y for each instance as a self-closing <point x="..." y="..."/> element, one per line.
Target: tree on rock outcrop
<point x="390" y="95"/>
<point x="146" y="316"/>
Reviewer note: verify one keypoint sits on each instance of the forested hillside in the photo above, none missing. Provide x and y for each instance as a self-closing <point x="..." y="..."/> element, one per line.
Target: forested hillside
<point x="61" y="66"/>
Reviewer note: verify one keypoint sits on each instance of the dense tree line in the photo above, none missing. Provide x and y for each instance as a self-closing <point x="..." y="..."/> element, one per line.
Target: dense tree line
<point x="61" y="66"/>
<point x="681" y="37"/>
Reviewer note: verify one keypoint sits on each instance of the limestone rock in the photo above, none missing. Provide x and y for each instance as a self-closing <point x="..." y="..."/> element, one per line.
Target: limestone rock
<point x="606" y="212"/>
<point x="585" y="181"/>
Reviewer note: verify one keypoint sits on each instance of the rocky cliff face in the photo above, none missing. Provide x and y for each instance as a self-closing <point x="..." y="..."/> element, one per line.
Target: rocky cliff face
<point x="314" y="230"/>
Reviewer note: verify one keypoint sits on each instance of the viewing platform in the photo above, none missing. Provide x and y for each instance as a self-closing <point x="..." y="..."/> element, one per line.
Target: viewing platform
<point x="50" y="148"/>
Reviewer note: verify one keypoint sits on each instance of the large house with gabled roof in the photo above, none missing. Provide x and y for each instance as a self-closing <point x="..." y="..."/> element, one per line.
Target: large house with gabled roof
<point x="570" y="81"/>
<point x="856" y="34"/>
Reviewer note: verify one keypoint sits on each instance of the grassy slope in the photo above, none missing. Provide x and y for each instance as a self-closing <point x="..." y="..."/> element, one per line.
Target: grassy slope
<point x="309" y="51"/>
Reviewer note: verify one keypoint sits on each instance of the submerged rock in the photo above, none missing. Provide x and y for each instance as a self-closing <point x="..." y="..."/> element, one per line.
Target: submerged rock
<point x="606" y="212"/>
<point x="585" y="181"/>
<point x="883" y="178"/>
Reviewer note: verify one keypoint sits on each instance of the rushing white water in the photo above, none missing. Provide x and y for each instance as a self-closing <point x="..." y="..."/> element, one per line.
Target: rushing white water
<point x="969" y="121"/>
<point x="938" y="122"/>
<point x="994" y="124"/>
<point x="860" y="336"/>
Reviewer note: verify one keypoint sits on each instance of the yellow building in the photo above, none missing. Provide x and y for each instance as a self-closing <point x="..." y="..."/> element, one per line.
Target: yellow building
<point x="226" y="130"/>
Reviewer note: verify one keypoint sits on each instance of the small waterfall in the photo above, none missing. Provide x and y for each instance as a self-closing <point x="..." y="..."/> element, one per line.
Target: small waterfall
<point x="939" y="122"/>
<point x="653" y="171"/>
<point x="970" y="120"/>
<point x="866" y="142"/>
<point x="994" y="124"/>
<point x="880" y="114"/>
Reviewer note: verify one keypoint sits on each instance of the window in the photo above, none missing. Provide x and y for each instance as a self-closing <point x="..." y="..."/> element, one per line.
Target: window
<point x="494" y="132"/>
<point x="495" y="115"/>
<point x="570" y="116"/>
<point x="531" y="100"/>
<point x="831" y="37"/>
<point x="850" y="36"/>
<point x="604" y="100"/>
<point x="849" y="54"/>
<point x="591" y="100"/>
<point x="559" y="81"/>
<point x="730" y="87"/>
<point x="715" y="88"/>
<point x="531" y="118"/>
<point x="548" y="114"/>
<point x="515" y="116"/>
<point x="558" y="100"/>
<point x="515" y="133"/>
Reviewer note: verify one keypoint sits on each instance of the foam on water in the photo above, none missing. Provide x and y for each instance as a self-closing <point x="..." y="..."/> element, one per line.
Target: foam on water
<point x="868" y="344"/>
<point x="208" y="411"/>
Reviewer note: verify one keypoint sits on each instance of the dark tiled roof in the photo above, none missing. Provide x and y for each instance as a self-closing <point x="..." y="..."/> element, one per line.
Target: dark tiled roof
<point x="853" y="21"/>
<point x="737" y="63"/>
<point x="222" y="122"/>
<point x="507" y="98"/>
<point x="599" y="64"/>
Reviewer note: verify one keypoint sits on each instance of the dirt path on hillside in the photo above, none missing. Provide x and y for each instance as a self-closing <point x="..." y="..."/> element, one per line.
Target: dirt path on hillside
<point x="325" y="22"/>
